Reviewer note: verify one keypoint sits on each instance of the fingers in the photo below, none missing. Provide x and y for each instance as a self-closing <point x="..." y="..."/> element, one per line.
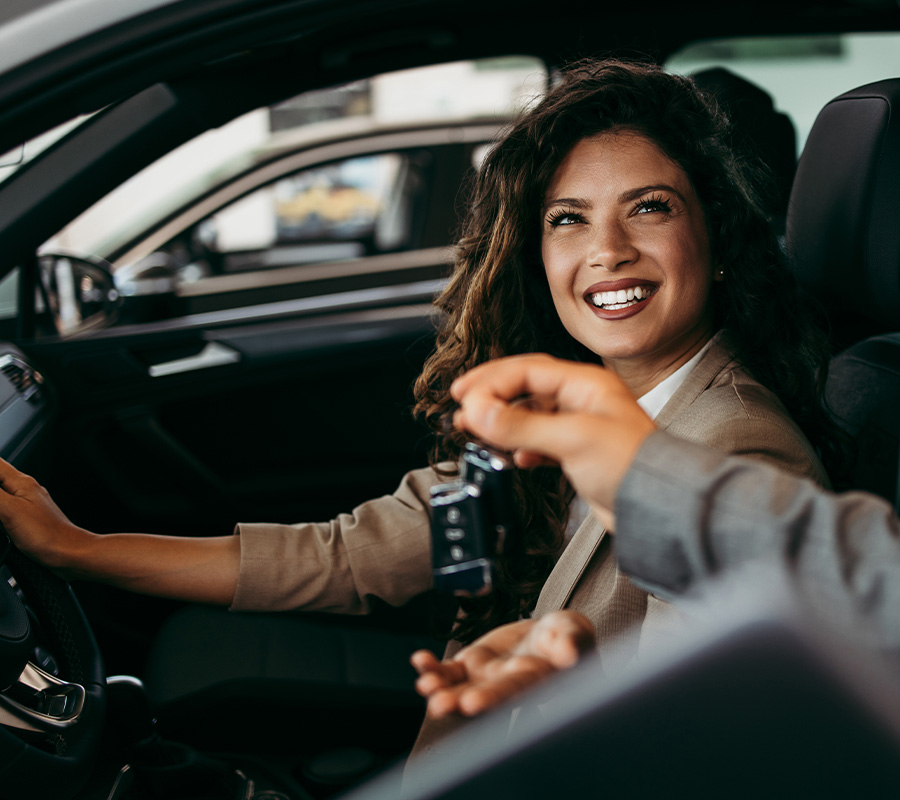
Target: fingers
<point x="12" y="481"/>
<point x="543" y="435"/>
<point x="528" y="459"/>
<point x="501" y="664"/>
<point x="424" y="660"/>
<point x="487" y="392"/>
<point x="509" y="678"/>
<point x="441" y="682"/>
<point x="508" y="377"/>
<point x="434" y="674"/>
<point x="562" y="636"/>
<point x="587" y="420"/>
<point x="512" y="678"/>
<point x="534" y="374"/>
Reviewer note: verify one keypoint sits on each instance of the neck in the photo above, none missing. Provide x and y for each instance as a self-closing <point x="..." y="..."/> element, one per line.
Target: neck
<point x="642" y="374"/>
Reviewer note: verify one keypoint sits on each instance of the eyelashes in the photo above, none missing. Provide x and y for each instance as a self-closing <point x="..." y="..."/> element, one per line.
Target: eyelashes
<point x="655" y="203"/>
<point x="563" y="216"/>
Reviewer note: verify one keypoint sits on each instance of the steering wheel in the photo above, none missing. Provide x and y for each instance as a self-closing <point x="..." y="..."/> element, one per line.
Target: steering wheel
<point x="52" y="714"/>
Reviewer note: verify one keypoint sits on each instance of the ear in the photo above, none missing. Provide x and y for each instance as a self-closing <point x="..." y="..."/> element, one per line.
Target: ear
<point x="718" y="274"/>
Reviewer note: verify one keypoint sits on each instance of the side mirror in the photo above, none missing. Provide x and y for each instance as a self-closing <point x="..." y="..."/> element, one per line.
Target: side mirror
<point x="149" y="289"/>
<point x="79" y="291"/>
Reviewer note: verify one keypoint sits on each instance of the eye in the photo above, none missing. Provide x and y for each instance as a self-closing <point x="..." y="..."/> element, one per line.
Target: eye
<point x="655" y="203"/>
<point x="563" y="216"/>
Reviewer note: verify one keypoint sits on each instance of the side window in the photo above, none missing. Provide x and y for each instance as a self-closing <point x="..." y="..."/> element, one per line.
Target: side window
<point x="347" y="209"/>
<point x="292" y="200"/>
<point x="9" y="295"/>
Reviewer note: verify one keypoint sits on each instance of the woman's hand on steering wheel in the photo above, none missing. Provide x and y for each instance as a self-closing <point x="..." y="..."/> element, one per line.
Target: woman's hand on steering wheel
<point x="35" y="523"/>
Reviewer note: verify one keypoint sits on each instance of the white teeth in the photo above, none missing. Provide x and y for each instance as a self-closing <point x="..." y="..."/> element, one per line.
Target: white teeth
<point x="621" y="298"/>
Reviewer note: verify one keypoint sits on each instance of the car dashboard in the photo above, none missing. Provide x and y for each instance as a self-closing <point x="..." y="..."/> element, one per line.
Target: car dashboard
<point x="26" y="404"/>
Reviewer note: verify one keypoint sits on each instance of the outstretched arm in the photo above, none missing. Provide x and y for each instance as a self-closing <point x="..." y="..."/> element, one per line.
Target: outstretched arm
<point x="195" y="569"/>
<point x="502" y="663"/>
<point x="685" y="512"/>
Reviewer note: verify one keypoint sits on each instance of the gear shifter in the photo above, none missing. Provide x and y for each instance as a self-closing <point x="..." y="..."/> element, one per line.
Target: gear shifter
<point x="167" y="769"/>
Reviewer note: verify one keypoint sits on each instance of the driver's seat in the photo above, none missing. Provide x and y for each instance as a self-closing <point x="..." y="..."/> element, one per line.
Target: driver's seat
<point x="843" y="238"/>
<point x="308" y="685"/>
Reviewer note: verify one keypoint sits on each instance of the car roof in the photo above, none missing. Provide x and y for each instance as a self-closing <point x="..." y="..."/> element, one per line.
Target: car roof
<point x="59" y="58"/>
<point x="32" y="28"/>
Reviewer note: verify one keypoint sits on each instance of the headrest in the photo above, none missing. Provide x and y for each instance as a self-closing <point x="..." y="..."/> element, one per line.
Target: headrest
<point x="757" y="127"/>
<point x="843" y="227"/>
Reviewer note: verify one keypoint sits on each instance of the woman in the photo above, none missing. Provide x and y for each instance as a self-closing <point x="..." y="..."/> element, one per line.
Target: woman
<point x="612" y="225"/>
<point x="620" y="180"/>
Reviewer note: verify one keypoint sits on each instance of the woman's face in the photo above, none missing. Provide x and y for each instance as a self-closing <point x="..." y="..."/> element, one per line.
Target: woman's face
<point x="626" y="251"/>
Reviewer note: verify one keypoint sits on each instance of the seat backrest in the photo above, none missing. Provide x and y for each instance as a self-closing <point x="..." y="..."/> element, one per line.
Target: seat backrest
<point x="758" y="129"/>
<point x="843" y="240"/>
<point x="843" y="235"/>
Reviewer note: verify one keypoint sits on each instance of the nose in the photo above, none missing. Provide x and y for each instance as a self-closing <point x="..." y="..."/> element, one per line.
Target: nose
<point x="612" y="246"/>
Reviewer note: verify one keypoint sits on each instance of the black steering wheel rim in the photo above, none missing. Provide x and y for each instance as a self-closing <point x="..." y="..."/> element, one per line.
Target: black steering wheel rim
<point x="57" y="760"/>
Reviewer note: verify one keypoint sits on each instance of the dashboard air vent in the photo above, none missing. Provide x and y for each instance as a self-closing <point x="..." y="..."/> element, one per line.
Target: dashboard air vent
<point x="24" y="378"/>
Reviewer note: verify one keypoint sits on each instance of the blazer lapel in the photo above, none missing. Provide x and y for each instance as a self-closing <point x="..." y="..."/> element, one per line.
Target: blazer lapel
<point x="575" y="558"/>
<point x="571" y="566"/>
<point x="713" y="362"/>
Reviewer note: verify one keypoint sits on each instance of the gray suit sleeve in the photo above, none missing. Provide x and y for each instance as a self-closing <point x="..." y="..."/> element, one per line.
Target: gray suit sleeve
<point x="685" y="513"/>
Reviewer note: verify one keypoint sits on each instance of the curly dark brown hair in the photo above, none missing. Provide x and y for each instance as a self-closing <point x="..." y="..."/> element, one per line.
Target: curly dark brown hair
<point x="498" y="303"/>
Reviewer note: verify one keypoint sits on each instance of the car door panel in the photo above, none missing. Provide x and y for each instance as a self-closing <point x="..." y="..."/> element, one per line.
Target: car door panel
<point x="306" y="418"/>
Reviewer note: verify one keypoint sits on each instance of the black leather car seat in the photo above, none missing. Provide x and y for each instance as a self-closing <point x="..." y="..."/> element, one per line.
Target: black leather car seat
<point x="843" y="239"/>
<point x="311" y="686"/>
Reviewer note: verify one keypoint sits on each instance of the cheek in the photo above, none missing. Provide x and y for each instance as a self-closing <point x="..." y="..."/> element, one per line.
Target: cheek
<point x="696" y="288"/>
<point x="557" y="263"/>
<point x="550" y="260"/>
<point x="547" y="257"/>
<point x="693" y="257"/>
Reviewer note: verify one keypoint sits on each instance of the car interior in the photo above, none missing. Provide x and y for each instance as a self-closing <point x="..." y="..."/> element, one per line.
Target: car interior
<point x="179" y="378"/>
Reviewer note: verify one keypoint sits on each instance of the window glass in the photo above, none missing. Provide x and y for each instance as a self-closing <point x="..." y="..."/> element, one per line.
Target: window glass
<point x="9" y="295"/>
<point x="801" y="73"/>
<point x="476" y="90"/>
<point x="333" y="212"/>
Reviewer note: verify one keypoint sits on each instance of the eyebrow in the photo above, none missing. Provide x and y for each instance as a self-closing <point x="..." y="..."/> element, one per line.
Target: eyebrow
<point x="634" y="194"/>
<point x="574" y="202"/>
<point x="625" y="197"/>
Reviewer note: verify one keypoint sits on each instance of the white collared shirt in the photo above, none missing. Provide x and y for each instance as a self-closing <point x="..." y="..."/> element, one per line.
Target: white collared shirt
<point x="653" y="401"/>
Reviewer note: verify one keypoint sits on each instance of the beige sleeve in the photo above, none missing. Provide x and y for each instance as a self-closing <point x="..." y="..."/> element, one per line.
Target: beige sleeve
<point x="382" y="549"/>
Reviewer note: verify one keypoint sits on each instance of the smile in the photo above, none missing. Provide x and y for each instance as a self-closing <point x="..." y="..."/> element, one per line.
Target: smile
<point x="622" y="298"/>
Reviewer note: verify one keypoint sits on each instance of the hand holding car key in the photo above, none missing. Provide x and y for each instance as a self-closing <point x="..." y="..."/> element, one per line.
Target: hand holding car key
<point x="471" y="519"/>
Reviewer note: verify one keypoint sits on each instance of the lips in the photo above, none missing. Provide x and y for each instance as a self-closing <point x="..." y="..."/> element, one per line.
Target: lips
<point x="618" y="299"/>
